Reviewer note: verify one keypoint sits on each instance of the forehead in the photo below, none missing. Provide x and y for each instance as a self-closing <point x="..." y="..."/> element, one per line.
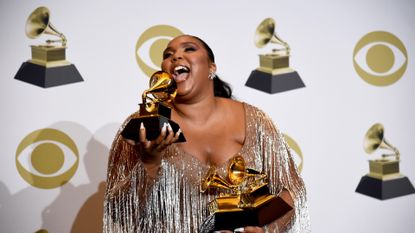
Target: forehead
<point x="183" y="40"/>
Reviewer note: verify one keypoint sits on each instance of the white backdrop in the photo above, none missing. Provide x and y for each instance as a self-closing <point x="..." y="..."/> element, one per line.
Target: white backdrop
<point x="328" y="118"/>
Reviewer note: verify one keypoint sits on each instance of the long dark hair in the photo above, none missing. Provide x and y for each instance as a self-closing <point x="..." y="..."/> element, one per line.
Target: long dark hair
<point x="220" y="87"/>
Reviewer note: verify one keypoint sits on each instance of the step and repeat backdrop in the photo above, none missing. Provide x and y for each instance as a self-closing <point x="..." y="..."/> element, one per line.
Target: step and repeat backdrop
<point x="337" y="78"/>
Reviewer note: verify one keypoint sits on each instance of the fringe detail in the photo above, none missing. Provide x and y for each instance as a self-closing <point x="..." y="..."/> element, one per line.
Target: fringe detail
<point x="172" y="202"/>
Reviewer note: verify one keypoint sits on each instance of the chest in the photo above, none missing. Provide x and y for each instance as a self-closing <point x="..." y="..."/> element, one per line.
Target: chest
<point x="215" y="143"/>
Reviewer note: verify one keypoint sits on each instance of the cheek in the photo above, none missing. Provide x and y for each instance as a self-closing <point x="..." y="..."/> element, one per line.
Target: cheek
<point x="202" y="62"/>
<point x="165" y="66"/>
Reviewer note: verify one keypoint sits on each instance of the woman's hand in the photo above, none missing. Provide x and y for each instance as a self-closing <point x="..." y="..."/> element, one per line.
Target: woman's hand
<point x="248" y="229"/>
<point x="152" y="149"/>
<point x="253" y="230"/>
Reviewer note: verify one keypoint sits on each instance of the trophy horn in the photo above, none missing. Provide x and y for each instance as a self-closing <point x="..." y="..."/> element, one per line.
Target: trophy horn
<point x="374" y="139"/>
<point x="38" y="23"/>
<point x="213" y="180"/>
<point x="237" y="170"/>
<point x="265" y="33"/>
<point x="162" y="87"/>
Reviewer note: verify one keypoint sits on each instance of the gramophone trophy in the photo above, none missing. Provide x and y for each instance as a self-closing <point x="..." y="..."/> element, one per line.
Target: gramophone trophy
<point x="48" y="66"/>
<point x="273" y="74"/>
<point x="154" y="111"/>
<point x="245" y="200"/>
<point x="384" y="180"/>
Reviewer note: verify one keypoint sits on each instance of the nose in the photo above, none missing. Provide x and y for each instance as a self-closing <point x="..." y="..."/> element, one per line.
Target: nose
<point x="177" y="56"/>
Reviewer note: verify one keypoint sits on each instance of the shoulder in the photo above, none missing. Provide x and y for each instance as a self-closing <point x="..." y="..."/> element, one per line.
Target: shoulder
<point x="256" y="112"/>
<point x="258" y="117"/>
<point x="230" y="106"/>
<point x="233" y="104"/>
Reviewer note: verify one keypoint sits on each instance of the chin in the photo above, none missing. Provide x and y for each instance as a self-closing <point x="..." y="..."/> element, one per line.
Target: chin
<point x="184" y="94"/>
<point x="183" y="88"/>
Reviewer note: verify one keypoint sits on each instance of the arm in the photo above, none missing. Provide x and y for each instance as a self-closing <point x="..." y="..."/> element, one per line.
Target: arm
<point x="285" y="220"/>
<point x="280" y="225"/>
<point x="151" y="151"/>
<point x="132" y="173"/>
<point x="284" y="178"/>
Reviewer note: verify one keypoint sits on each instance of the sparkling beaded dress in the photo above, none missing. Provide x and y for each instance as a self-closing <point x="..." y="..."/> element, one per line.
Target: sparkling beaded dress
<point x="172" y="202"/>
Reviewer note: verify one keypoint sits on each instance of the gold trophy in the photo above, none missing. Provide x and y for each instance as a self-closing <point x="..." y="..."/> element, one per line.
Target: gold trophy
<point x="245" y="200"/>
<point x="154" y="111"/>
<point x="273" y="74"/>
<point x="384" y="180"/>
<point x="48" y="66"/>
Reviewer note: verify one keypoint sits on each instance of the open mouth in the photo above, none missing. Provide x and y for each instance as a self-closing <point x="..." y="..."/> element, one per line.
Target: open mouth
<point x="180" y="70"/>
<point x="179" y="73"/>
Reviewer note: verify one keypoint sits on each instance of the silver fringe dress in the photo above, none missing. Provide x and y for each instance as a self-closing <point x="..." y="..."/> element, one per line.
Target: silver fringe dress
<point x="172" y="202"/>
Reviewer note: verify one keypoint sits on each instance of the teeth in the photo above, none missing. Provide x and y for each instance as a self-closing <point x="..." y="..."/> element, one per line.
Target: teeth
<point x="181" y="69"/>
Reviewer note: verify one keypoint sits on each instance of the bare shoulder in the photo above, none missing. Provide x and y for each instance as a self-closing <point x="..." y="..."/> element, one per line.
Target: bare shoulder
<point x="233" y="116"/>
<point x="231" y="106"/>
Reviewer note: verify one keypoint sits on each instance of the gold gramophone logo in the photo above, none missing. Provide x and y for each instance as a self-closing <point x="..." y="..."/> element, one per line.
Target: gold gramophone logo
<point x="47" y="158"/>
<point x="384" y="180"/>
<point x="380" y="58"/>
<point x="274" y="73"/>
<point x="48" y="66"/>
<point x="151" y="43"/>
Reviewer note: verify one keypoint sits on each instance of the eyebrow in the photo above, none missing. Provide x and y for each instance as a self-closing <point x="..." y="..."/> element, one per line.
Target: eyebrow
<point x="184" y="44"/>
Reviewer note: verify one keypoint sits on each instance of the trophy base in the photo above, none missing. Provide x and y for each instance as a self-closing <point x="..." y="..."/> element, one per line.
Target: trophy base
<point x="153" y="125"/>
<point x="385" y="189"/>
<point x="43" y="76"/>
<point x="270" y="83"/>
<point x="266" y="213"/>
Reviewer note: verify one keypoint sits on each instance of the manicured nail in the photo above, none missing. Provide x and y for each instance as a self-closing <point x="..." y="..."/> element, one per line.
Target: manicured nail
<point x="240" y="229"/>
<point x="141" y="125"/>
<point x="170" y="128"/>
<point x="164" y="127"/>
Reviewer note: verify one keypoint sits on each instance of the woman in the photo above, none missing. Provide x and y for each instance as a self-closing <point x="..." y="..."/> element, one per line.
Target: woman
<point x="153" y="186"/>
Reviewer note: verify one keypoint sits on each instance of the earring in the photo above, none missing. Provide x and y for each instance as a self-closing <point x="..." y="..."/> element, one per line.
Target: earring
<point x="212" y="75"/>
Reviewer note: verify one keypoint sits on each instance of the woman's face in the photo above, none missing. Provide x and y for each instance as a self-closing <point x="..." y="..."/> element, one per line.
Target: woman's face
<point x="187" y="61"/>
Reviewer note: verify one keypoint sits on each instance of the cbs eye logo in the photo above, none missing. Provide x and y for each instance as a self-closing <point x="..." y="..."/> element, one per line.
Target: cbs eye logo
<point x="151" y="43"/>
<point x="380" y="58"/>
<point x="47" y="158"/>
<point x="298" y="155"/>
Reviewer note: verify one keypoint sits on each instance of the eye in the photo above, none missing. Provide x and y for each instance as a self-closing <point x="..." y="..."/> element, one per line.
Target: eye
<point x="297" y="154"/>
<point x="47" y="158"/>
<point x="167" y="55"/>
<point x="190" y="49"/>
<point x="150" y="45"/>
<point x="380" y="58"/>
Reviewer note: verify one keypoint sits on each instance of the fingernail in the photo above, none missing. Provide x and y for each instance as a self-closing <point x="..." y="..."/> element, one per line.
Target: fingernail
<point x="178" y="133"/>
<point x="141" y="125"/>
<point x="164" y="127"/>
<point x="240" y="229"/>
<point x="170" y="128"/>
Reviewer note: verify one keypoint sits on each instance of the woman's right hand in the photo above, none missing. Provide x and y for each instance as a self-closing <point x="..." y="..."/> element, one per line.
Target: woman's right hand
<point x="152" y="150"/>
